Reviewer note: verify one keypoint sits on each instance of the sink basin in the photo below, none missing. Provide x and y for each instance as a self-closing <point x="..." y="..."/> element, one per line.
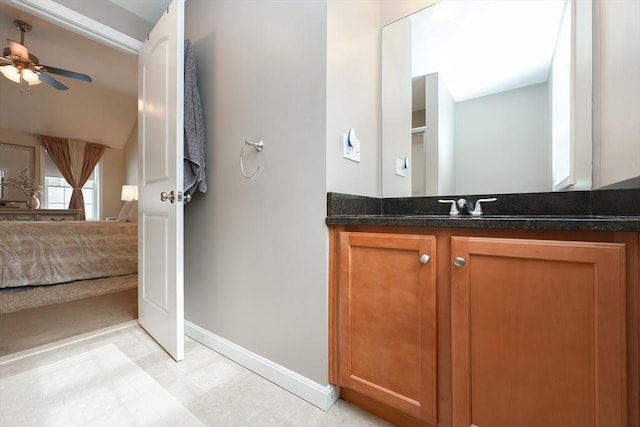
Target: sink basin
<point x="429" y="216"/>
<point x="514" y="217"/>
<point x="498" y="217"/>
<point x="548" y="217"/>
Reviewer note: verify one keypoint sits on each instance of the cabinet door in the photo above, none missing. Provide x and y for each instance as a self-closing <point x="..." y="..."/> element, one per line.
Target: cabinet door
<point x="538" y="333"/>
<point x="387" y="320"/>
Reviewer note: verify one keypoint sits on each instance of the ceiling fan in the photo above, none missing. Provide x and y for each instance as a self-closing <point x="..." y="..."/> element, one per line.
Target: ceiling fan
<point x="20" y="66"/>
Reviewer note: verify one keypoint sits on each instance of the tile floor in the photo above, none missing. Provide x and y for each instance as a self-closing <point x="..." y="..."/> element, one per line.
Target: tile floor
<point x="100" y="387"/>
<point x="217" y="391"/>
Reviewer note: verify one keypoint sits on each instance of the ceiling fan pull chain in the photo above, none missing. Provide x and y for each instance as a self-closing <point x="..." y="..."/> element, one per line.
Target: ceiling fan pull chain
<point x="24" y="83"/>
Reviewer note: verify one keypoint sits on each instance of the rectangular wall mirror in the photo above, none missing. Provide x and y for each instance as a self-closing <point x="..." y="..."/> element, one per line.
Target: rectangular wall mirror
<point x="477" y="98"/>
<point x="13" y="160"/>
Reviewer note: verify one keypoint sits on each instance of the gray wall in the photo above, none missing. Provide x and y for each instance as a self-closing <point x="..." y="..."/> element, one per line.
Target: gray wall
<point x="296" y="75"/>
<point x="397" y="107"/>
<point x="131" y="158"/>
<point x="446" y="140"/>
<point x="111" y="181"/>
<point x="504" y="139"/>
<point x="616" y="92"/>
<point x="353" y="94"/>
<point x="256" y="251"/>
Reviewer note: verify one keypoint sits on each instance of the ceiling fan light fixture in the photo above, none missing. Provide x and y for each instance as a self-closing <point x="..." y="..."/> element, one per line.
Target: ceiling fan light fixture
<point x="11" y="72"/>
<point x="15" y="74"/>
<point x="31" y="77"/>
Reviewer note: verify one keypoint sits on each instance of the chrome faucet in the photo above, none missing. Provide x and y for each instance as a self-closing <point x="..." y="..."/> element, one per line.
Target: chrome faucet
<point x="477" y="211"/>
<point x="461" y="205"/>
<point x="454" y="210"/>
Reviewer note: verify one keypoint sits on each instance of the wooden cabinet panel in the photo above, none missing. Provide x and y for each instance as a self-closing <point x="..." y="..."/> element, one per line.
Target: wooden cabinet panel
<point x="387" y="320"/>
<point x="538" y="333"/>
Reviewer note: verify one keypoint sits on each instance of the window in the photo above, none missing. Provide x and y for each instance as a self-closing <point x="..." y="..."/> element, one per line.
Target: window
<point x="57" y="191"/>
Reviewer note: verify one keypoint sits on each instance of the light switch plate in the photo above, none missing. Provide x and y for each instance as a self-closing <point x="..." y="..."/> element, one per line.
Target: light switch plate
<point x="400" y="169"/>
<point x="351" y="152"/>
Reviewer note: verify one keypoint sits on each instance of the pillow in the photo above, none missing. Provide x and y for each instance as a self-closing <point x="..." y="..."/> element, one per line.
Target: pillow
<point x="124" y="212"/>
<point x="132" y="216"/>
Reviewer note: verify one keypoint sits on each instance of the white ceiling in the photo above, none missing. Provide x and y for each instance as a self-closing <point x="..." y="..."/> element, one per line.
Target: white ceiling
<point x="149" y="10"/>
<point x="104" y="111"/>
<point x="486" y="46"/>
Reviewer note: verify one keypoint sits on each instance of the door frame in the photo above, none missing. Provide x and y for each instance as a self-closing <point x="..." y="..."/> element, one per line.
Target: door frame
<point x="69" y="19"/>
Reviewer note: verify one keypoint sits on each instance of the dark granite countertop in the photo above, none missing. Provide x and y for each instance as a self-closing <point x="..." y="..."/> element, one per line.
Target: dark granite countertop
<point x="608" y="210"/>
<point x="575" y="223"/>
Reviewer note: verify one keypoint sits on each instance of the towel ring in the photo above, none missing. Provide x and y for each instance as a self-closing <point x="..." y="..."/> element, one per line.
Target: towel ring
<point x="258" y="145"/>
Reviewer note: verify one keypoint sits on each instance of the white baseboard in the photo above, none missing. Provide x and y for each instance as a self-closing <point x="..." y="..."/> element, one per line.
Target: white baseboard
<point x="322" y="396"/>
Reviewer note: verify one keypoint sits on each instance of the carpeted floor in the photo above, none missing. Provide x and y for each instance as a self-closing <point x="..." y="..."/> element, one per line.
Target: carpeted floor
<point x="21" y="298"/>
<point x="29" y="328"/>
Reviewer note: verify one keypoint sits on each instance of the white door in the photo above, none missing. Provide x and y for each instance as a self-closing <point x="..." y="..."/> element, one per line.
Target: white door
<point x="160" y="157"/>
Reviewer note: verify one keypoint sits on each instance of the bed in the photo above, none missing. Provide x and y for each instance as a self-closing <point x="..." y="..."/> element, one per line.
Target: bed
<point x="34" y="253"/>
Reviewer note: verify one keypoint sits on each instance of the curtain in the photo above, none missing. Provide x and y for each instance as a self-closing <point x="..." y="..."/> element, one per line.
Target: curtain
<point x="76" y="161"/>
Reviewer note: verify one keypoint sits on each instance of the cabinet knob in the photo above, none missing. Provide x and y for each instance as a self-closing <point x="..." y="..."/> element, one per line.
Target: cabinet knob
<point x="459" y="261"/>
<point x="424" y="258"/>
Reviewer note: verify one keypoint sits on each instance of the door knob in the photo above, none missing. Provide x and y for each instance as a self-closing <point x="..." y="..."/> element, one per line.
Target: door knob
<point x="171" y="196"/>
<point x="459" y="261"/>
<point x="424" y="258"/>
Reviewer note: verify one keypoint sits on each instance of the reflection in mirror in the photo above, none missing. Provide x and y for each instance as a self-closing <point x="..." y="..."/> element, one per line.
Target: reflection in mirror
<point x="477" y="95"/>
<point x="13" y="160"/>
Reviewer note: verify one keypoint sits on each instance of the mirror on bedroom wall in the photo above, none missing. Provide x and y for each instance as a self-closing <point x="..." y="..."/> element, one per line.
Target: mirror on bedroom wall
<point x="13" y="160"/>
<point x="476" y="99"/>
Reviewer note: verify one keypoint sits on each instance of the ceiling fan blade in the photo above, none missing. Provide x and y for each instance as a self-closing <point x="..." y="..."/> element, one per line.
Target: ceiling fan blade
<point x="51" y="81"/>
<point x="3" y="59"/>
<point x="18" y="50"/>
<point x="67" y="73"/>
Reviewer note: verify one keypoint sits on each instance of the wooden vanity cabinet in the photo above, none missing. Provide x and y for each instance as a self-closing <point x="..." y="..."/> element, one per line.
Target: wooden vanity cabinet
<point x="387" y="320"/>
<point x="538" y="333"/>
<point x="538" y="327"/>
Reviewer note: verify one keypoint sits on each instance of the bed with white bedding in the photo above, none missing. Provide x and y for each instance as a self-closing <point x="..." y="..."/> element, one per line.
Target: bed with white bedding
<point x="34" y="253"/>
